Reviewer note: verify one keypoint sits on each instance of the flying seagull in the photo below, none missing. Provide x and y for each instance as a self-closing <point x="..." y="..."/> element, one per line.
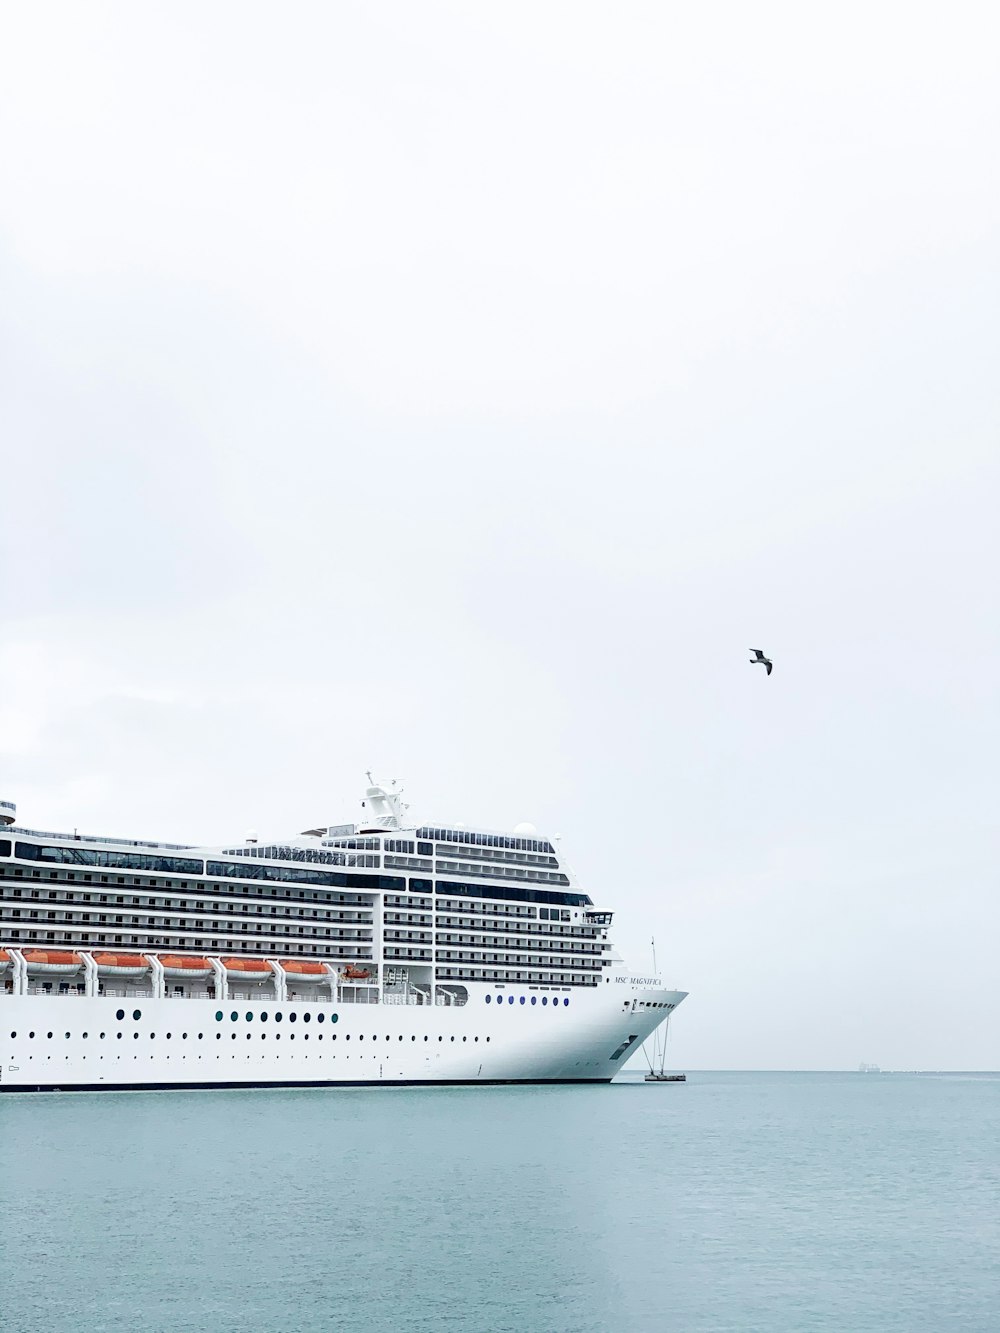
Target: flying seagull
<point x="758" y="656"/>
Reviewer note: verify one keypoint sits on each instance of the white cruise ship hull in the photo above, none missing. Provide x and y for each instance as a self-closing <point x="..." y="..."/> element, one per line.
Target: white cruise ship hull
<point x="74" y="1043"/>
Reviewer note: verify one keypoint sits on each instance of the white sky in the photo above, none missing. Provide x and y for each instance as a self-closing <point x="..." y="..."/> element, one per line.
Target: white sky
<point x="460" y="391"/>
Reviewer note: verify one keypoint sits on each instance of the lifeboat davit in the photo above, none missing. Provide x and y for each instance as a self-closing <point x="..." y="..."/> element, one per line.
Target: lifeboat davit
<point x="250" y="969"/>
<point x="179" y="967"/>
<point x="298" y="970"/>
<point x="121" y="964"/>
<point x="4" y="960"/>
<point x="52" y="963"/>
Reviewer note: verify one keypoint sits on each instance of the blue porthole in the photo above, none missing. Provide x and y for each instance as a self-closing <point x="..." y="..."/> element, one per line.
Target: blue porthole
<point x="522" y="999"/>
<point x="277" y="1018"/>
<point x="333" y="1018"/>
<point x="534" y="999"/>
<point x="320" y="1018"/>
<point x="234" y="1015"/>
<point x="249" y="1016"/>
<point x="565" y="999"/>
<point x="218" y="1015"/>
<point x="545" y="999"/>
<point x="263" y="1016"/>
<point x="137" y="1014"/>
<point x="120" y="1014"/>
<point x="489" y="999"/>
<point x="510" y="999"/>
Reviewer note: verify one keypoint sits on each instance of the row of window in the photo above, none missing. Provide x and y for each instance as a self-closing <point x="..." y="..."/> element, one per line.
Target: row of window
<point x="524" y="999"/>
<point x="311" y="854"/>
<point x="200" y="1036"/>
<point x="486" y="840"/>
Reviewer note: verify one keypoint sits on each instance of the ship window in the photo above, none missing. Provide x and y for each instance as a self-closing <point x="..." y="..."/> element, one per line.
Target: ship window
<point x="277" y="1018"/>
<point x="263" y="1017"/>
<point x="522" y="999"/>
<point x="119" y="1036"/>
<point x="120" y="1014"/>
<point x="333" y="1018"/>
<point x="510" y="999"/>
<point x="234" y="1016"/>
<point x="306" y="1017"/>
<point x="218" y="1016"/>
<point x="320" y="1018"/>
<point x="292" y="1017"/>
<point x="489" y="999"/>
<point x="249" y="1017"/>
<point x="545" y="999"/>
<point x="137" y="1014"/>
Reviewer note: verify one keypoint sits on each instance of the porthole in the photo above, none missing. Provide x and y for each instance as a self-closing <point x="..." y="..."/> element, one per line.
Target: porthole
<point x="277" y="1018"/>
<point x="234" y="1016"/>
<point x="522" y="999"/>
<point x="565" y="999"/>
<point x="534" y="999"/>
<point x="306" y="1017"/>
<point x="137" y="1014"/>
<point x="292" y="1016"/>
<point x="263" y="1016"/>
<point x="426" y="1038"/>
<point x="475" y="1038"/>
<point x="184" y="1036"/>
<point x="333" y="1018"/>
<point x="545" y="999"/>
<point x="86" y="1035"/>
<point x="218" y="1015"/>
<point x="489" y="999"/>
<point x="49" y="1035"/>
<point x="510" y="999"/>
<point x="249" y="1016"/>
<point x="440" y="1038"/>
<point x="411" y="1039"/>
<point x="453" y="1038"/>
<point x="119" y="1035"/>
<point x="233" y="1036"/>
<point x="361" y="1037"/>
<point x="218" y="1036"/>
<point x="120" y="1014"/>
<point x="465" y="1039"/>
<point x="320" y="1018"/>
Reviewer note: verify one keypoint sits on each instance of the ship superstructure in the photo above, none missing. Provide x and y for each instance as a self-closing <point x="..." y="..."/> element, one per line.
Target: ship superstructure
<point x="381" y="951"/>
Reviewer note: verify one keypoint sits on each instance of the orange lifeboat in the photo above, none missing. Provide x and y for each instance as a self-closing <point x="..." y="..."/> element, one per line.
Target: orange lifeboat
<point x="298" y="970"/>
<point x="52" y="962"/>
<point x="121" y="964"/>
<point x="356" y="973"/>
<point x="4" y="960"/>
<point x="253" y="969"/>
<point x="181" y="967"/>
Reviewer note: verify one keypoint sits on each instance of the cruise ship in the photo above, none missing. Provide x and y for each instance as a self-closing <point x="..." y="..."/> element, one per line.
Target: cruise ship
<point x="377" y="952"/>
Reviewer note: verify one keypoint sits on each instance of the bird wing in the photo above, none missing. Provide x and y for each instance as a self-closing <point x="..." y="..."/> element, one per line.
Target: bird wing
<point x="758" y="655"/>
<point x="770" y="666"/>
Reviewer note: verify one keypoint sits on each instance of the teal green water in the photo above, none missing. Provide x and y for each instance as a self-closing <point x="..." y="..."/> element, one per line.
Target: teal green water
<point x="776" y="1202"/>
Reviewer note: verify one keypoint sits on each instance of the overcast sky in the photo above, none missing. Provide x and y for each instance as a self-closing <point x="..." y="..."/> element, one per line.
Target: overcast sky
<point x="460" y="391"/>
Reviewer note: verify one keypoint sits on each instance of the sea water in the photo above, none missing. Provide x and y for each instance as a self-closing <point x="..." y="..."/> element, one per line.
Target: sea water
<point x="776" y="1202"/>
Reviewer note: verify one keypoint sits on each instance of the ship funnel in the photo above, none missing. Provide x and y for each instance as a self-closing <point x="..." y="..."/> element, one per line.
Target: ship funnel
<point x="383" y="809"/>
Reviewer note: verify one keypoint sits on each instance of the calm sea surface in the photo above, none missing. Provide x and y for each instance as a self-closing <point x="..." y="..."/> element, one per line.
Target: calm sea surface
<point x="734" y="1202"/>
